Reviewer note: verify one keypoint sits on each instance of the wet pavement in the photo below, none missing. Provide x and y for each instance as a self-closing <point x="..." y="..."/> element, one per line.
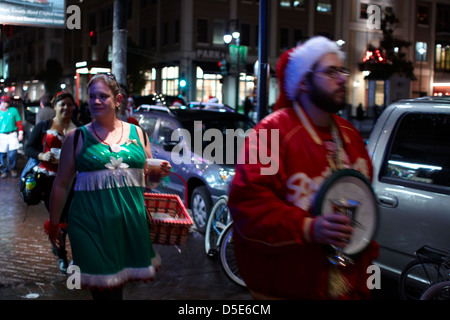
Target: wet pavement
<point x="28" y="269"/>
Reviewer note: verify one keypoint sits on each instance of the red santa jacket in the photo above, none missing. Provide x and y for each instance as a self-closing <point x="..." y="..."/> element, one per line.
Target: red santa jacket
<point x="273" y="225"/>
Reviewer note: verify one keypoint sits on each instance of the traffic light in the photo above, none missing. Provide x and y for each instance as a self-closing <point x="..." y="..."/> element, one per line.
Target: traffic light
<point x="223" y="65"/>
<point x="93" y="37"/>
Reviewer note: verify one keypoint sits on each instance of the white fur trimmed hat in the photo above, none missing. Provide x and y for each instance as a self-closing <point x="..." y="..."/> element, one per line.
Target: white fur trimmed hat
<point x="303" y="58"/>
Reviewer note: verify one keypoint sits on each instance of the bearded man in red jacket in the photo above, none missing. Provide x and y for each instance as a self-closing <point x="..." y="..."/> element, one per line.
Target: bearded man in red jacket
<point x="279" y="243"/>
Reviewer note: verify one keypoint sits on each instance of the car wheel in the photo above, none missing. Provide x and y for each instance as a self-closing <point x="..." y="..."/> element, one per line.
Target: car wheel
<point x="201" y="207"/>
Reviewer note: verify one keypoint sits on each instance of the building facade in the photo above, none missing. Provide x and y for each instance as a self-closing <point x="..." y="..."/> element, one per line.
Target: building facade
<point x="173" y="40"/>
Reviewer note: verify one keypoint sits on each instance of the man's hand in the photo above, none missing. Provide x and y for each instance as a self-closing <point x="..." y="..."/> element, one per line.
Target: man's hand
<point x="333" y="229"/>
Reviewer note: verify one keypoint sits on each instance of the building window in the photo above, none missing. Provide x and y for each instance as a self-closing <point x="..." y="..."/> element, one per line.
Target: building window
<point x="208" y="85"/>
<point x="363" y="11"/>
<point x="248" y="84"/>
<point x="292" y="3"/>
<point x="177" y="31"/>
<point x="245" y="34"/>
<point x="298" y="4"/>
<point x="298" y="36"/>
<point x="284" y="39"/>
<point x="170" y="81"/>
<point x="202" y="31"/>
<point x="143" y="36"/>
<point x="443" y="57"/>
<point x="165" y="34"/>
<point x="421" y="51"/>
<point x="324" y="6"/>
<point x="107" y="17"/>
<point x="153" y="36"/>
<point x="218" y="32"/>
<point x="150" y="82"/>
<point x="422" y="15"/>
<point x="442" y="18"/>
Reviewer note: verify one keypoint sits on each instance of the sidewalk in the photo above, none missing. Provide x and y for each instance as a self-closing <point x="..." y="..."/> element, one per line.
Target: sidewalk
<point x="364" y="127"/>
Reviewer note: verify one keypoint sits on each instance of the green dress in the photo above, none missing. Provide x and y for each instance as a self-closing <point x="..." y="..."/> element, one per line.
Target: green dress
<point x="108" y="229"/>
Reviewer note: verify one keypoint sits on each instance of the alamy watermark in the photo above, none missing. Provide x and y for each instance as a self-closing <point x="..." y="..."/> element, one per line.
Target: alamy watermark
<point x="263" y="147"/>
<point x="74" y="277"/>
<point x="374" y="17"/>
<point x="73" y="20"/>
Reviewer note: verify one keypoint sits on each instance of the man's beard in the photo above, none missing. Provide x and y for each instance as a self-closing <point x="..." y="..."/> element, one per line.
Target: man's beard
<point x="325" y="100"/>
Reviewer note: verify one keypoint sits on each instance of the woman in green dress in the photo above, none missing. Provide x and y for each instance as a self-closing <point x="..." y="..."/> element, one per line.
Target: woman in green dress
<point x="108" y="230"/>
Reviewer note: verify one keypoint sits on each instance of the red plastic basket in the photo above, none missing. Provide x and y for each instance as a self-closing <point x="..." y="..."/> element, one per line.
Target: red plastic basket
<point x="169" y="221"/>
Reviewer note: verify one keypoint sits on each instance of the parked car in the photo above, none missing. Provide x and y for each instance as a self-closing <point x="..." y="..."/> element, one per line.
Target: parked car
<point x="158" y="99"/>
<point x="211" y="106"/>
<point x="410" y="150"/>
<point x="199" y="160"/>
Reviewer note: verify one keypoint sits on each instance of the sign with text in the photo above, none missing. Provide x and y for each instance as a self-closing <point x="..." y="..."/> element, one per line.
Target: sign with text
<point x="38" y="13"/>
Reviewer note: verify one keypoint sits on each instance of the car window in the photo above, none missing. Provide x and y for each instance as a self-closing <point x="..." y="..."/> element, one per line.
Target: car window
<point x="420" y="150"/>
<point x="166" y="128"/>
<point x="238" y="128"/>
<point x="148" y="124"/>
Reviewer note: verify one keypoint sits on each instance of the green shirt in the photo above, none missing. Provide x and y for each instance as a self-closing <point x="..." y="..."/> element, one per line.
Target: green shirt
<point x="8" y="119"/>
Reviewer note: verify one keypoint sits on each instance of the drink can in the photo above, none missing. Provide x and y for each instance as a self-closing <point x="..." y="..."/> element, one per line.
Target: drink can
<point x="30" y="183"/>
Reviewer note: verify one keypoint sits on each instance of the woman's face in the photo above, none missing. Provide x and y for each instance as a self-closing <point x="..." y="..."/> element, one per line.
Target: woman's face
<point x="102" y="100"/>
<point x="64" y="108"/>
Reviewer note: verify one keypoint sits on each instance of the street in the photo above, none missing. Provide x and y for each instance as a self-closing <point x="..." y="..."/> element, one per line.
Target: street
<point x="28" y="269"/>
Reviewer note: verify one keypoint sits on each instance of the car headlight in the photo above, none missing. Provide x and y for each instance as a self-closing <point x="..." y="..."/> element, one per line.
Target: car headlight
<point x="226" y="175"/>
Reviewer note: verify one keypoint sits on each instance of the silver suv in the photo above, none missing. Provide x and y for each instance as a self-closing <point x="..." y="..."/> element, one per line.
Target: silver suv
<point x="197" y="143"/>
<point x="410" y="150"/>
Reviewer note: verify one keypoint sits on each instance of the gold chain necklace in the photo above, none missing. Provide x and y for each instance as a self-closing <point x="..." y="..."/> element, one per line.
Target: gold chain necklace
<point x="338" y="163"/>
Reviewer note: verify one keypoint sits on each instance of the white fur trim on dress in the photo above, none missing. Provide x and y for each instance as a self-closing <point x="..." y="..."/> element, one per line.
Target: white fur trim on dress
<point x="121" y="277"/>
<point x="303" y="58"/>
<point x="106" y="179"/>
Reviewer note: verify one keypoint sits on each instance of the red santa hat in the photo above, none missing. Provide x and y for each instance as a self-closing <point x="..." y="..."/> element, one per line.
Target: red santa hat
<point x="302" y="59"/>
<point x="283" y="101"/>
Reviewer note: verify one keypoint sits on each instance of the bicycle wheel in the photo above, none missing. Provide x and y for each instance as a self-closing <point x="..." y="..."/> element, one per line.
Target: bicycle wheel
<point x="416" y="277"/>
<point x="438" y="291"/>
<point x="218" y="220"/>
<point x="227" y="258"/>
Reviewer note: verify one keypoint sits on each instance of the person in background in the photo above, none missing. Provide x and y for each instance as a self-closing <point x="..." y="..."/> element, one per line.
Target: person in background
<point x="278" y="242"/>
<point x="11" y="133"/>
<point x="123" y="113"/>
<point x="107" y="222"/>
<point x="248" y="107"/>
<point x="46" y="112"/>
<point x="44" y="144"/>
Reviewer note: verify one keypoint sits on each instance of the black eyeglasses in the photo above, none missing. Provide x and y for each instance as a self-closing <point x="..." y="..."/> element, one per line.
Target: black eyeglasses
<point x="334" y="72"/>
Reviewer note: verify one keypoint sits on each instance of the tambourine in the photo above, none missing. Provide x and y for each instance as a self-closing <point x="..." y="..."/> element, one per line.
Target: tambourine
<point x="350" y="184"/>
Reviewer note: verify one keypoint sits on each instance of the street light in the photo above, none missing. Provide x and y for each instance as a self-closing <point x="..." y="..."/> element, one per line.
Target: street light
<point x="227" y="38"/>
